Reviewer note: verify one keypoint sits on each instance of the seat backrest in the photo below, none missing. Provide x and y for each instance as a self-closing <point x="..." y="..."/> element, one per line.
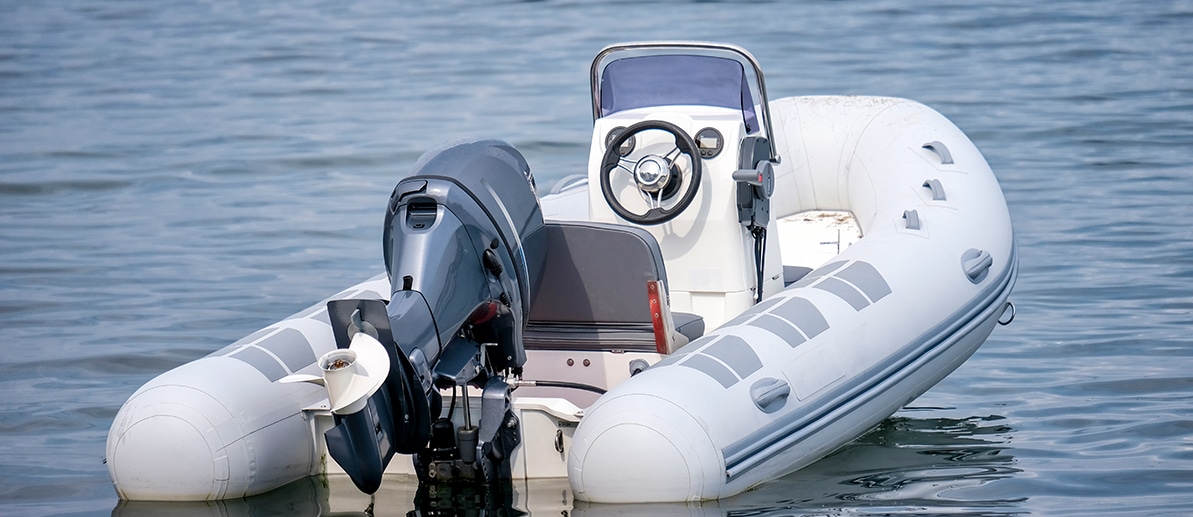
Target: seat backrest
<point x="596" y="273"/>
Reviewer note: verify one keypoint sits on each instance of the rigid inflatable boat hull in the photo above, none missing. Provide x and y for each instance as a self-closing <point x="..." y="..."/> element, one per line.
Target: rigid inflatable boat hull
<point x="792" y="369"/>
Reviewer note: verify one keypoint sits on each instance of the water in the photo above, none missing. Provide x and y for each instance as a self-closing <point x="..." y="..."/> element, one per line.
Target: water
<point x="175" y="175"/>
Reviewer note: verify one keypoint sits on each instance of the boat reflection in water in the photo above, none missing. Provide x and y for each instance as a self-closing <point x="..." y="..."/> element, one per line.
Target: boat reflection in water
<point x="906" y="462"/>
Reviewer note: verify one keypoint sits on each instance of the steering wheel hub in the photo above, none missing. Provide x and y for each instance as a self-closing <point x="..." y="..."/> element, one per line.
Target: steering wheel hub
<point x="652" y="173"/>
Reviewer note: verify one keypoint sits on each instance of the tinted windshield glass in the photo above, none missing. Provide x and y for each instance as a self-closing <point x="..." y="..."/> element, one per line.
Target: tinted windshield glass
<point x="670" y="80"/>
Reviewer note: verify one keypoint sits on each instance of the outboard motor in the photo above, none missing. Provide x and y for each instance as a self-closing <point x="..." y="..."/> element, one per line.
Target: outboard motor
<point x="464" y="253"/>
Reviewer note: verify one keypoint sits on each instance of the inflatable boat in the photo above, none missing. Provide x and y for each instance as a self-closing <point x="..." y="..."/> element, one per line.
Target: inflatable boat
<point x="680" y="323"/>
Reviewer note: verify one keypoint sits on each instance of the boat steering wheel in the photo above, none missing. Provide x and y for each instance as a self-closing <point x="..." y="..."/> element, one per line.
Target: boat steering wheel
<point x="657" y="177"/>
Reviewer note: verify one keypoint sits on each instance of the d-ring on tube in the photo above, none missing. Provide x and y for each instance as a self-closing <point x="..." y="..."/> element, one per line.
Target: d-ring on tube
<point x="1009" y="306"/>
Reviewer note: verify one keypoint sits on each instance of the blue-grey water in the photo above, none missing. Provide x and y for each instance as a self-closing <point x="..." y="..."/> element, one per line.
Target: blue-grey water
<point x="177" y="174"/>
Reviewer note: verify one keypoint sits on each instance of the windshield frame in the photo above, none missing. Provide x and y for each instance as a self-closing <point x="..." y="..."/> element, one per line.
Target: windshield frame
<point x="754" y="84"/>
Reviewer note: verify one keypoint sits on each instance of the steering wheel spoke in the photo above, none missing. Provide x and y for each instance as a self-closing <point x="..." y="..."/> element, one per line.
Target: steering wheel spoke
<point x="654" y="201"/>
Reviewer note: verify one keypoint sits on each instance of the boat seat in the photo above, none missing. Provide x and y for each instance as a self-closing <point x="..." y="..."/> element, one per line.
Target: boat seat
<point x="593" y="293"/>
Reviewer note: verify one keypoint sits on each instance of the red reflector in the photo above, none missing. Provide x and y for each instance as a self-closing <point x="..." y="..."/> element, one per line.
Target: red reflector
<point x="656" y="317"/>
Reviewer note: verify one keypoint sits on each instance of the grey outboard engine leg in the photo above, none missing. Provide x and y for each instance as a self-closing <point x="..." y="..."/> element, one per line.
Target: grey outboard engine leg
<point x="397" y="418"/>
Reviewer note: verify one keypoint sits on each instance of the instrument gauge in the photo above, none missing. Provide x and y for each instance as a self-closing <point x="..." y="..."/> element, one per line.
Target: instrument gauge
<point x="627" y="147"/>
<point x="710" y="142"/>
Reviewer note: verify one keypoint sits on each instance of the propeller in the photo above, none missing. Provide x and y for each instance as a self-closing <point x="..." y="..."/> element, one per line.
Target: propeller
<point x="351" y="375"/>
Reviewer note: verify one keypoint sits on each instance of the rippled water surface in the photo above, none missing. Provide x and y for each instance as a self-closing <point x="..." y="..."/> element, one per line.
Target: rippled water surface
<point x="175" y="175"/>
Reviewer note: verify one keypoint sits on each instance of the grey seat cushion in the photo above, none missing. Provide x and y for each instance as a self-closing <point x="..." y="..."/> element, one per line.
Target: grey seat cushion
<point x="593" y="293"/>
<point x="688" y="324"/>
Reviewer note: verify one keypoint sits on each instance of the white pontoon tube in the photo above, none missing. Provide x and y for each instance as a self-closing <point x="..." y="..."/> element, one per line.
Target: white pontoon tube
<point x="818" y="364"/>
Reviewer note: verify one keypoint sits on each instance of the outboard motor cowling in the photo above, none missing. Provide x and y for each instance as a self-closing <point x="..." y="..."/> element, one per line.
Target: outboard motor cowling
<point x="462" y="250"/>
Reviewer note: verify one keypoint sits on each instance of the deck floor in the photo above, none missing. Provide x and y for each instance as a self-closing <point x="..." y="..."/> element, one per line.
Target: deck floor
<point x="809" y="239"/>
